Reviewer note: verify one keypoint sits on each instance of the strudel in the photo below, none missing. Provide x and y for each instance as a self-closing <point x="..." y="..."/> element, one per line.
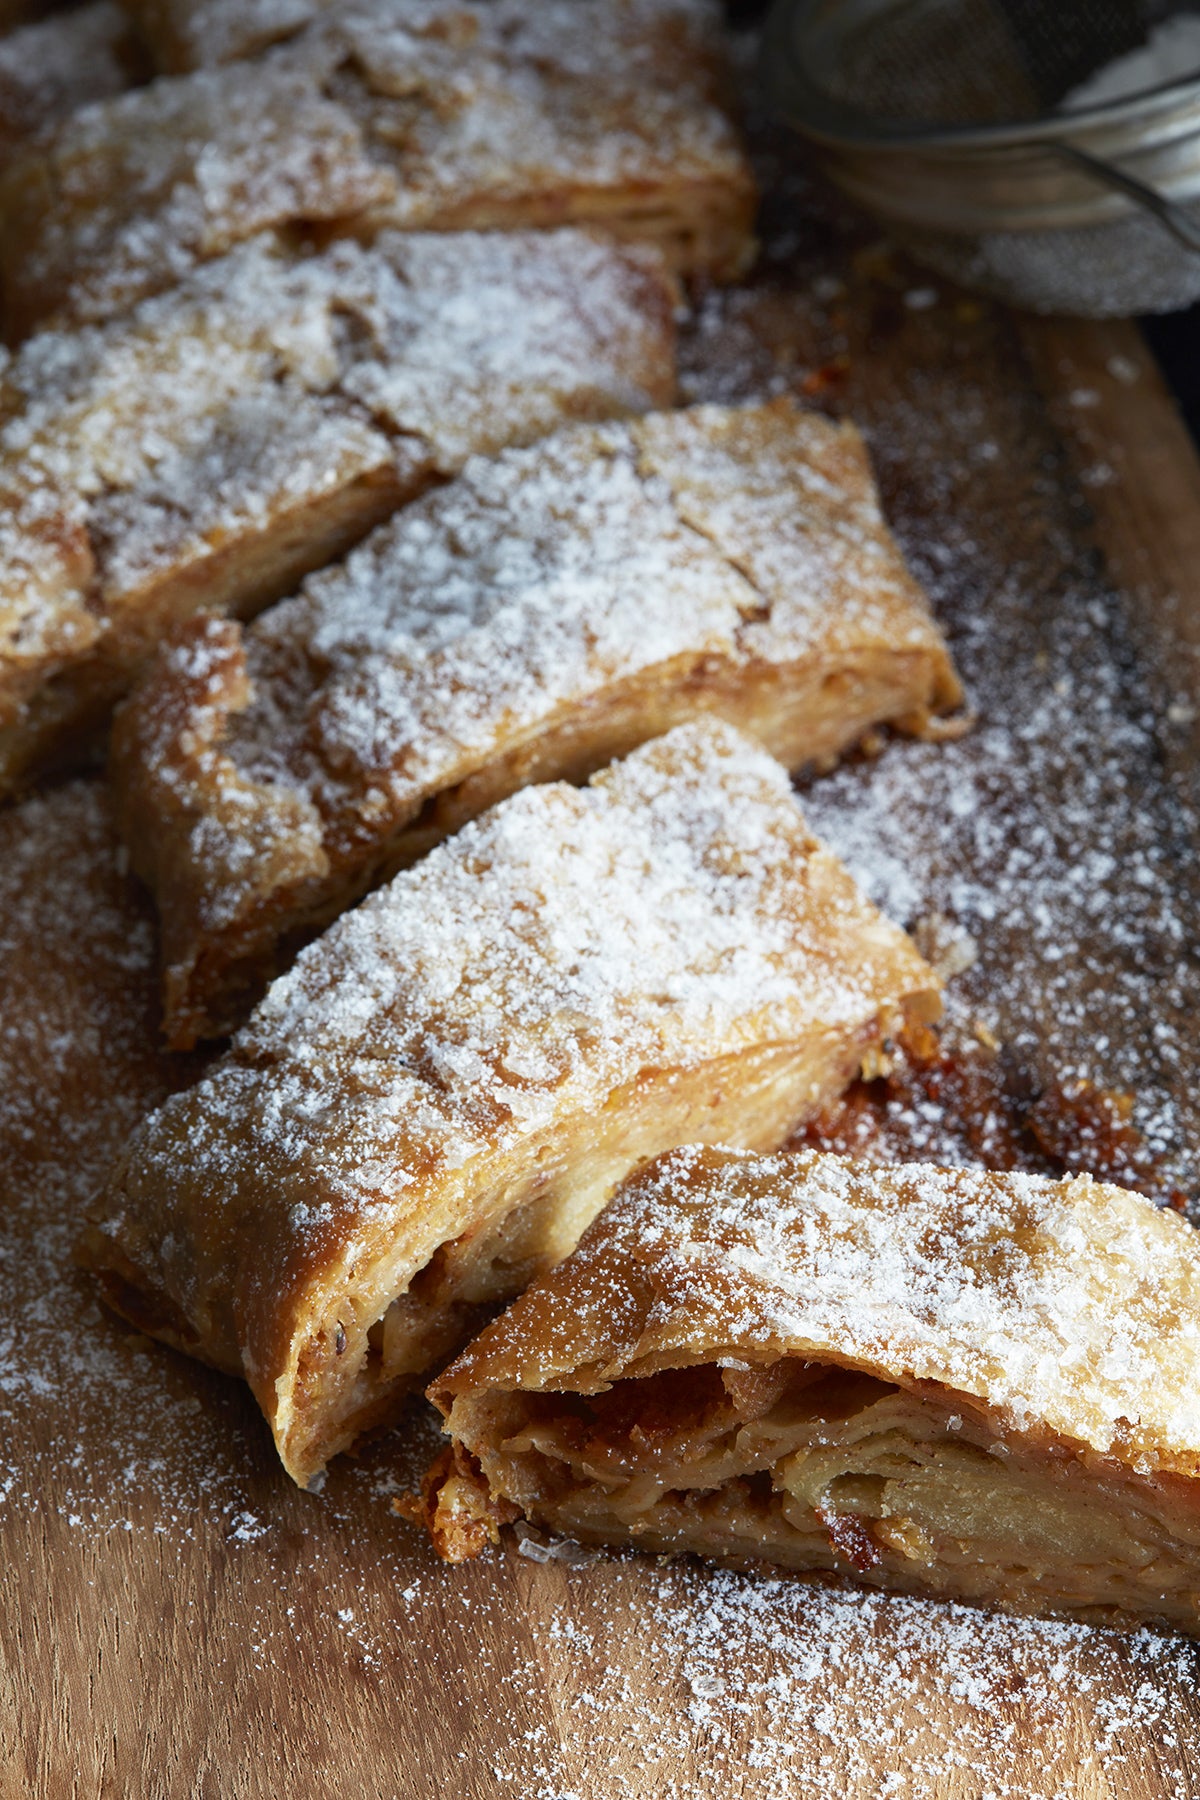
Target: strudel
<point x="979" y="1387"/>
<point x="440" y="1096"/>
<point x="427" y="115"/>
<point x="224" y="439"/>
<point x="50" y="69"/>
<point x="544" y="613"/>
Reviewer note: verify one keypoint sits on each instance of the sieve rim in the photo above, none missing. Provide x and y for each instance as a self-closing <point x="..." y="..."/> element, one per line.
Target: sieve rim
<point x="807" y="107"/>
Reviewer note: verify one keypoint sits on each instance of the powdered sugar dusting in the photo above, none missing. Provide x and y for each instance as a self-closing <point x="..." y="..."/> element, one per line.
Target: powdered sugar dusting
<point x="533" y="101"/>
<point x="624" y="1678"/>
<point x="267" y="385"/>
<point x="195" y="34"/>
<point x="435" y="114"/>
<point x="153" y="182"/>
<point x="1052" y="1302"/>
<point x="672" y="914"/>
<point x="1048" y="834"/>
<point x="49" y="69"/>
<point x="616" y="572"/>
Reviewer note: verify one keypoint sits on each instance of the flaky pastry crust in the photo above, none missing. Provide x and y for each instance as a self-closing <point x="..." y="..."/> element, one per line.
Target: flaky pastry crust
<point x="944" y="1382"/>
<point x="541" y="615"/>
<point x="207" y="451"/>
<point x="433" y="115"/>
<point x="443" y="1092"/>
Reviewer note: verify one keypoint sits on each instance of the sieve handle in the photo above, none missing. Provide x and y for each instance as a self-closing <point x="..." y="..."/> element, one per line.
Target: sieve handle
<point x="1172" y="217"/>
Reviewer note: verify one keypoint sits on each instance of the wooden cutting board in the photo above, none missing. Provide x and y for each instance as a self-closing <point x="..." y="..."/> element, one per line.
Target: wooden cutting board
<point x="177" y="1620"/>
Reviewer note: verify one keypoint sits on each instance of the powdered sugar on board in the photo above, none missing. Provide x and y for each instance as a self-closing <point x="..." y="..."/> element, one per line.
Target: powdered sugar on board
<point x="1049" y="835"/>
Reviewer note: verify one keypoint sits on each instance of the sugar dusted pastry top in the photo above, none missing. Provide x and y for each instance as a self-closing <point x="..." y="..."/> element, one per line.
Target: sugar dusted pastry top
<point x="427" y="114"/>
<point x="536" y="579"/>
<point x="455" y="342"/>
<point x="674" y="910"/>
<point x="554" y="98"/>
<point x="128" y="195"/>
<point x="1065" y="1303"/>
<point x="266" y="380"/>
<point x="50" y="69"/>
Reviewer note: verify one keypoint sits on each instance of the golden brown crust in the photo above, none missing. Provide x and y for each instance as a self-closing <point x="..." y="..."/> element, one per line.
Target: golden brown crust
<point x="450" y="116"/>
<point x="970" y="1385"/>
<point x="543" y="614"/>
<point x="206" y="452"/>
<point x="438" y="1098"/>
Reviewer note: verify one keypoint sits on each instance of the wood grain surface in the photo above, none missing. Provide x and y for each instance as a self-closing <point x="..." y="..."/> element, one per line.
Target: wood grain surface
<point x="177" y="1620"/>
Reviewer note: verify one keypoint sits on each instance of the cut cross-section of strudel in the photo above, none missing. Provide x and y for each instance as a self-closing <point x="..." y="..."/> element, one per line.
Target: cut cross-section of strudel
<point x="543" y="614"/>
<point x="981" y="1387"/>
<point x="441" y="1095"/>
<point x="224" y="439"/>
<point x="428" y="115"/>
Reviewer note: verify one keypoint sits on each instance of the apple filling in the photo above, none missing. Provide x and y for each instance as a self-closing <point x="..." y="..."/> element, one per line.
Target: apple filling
<point x="817" y="1467"/>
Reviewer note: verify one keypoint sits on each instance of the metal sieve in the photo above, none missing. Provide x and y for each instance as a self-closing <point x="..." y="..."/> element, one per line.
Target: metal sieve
<point x="953" y="122"/>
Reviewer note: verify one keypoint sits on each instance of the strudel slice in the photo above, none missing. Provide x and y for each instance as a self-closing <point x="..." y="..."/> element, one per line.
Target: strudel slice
<point x="442" y="1094"/>
<point x="541" y="615"/>
<point x="424" y="114"/>
<point x="127" y="196"/>
<point x="980" y="1387"/>
<point x="496" y="113"/>
<point x="224" y="439"/>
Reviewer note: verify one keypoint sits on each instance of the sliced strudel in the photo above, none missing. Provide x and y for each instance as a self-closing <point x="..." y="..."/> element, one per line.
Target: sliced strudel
<point x="980" y="1387"/>
<point x="444" y="1091"/>
<point x="210" y="449"/>
<point x="127" y="196"/>
<point x="539" y="616"/>
<point x="429" y="115"/>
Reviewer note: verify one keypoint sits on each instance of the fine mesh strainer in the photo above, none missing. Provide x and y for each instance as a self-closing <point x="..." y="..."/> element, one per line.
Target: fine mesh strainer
<point x="961" y="125"/>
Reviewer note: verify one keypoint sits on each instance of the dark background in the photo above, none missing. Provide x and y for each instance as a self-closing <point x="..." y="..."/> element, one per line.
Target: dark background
<point x="1173" y="337"/>
<point x="1175" y="341"/>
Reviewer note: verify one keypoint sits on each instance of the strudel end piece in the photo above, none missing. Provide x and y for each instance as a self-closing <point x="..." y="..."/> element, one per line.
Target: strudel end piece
<point x="441" y="1095"/>
<point x="539" y="616"/>
<point x="224" y="439"/>
<point x="427" y="115"/>
<point x="978" y="1387"/>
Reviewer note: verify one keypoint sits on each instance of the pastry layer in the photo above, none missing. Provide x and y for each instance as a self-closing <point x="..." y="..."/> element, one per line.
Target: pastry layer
<point x="224" y="439"/>
<point x="430" y="115"/>
<point x="446" y="1088"/>
<point x="974" y="1386"/>
<point x="543" y="614"/>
